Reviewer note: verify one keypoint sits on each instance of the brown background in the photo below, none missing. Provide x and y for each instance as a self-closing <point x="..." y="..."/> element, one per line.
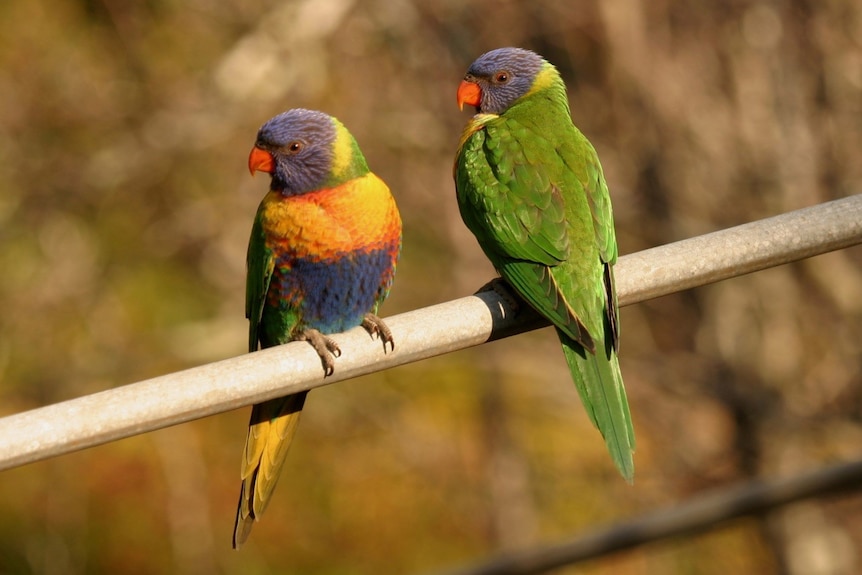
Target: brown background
<point x="125" y="207"/>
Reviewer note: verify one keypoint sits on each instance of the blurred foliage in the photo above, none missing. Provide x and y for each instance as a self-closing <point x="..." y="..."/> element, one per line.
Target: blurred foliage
<point x="124" y="212"/>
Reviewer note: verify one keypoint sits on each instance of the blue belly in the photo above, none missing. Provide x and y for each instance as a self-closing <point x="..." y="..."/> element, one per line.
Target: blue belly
<point x="332" y="296"/>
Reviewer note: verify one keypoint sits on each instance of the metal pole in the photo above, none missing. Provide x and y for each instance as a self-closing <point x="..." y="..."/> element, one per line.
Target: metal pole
<point x="739" y="250"/>
<point x="420" y="334"/>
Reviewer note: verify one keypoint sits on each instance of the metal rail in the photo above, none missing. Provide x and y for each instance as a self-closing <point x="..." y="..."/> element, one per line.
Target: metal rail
<point x="224" y="385"/>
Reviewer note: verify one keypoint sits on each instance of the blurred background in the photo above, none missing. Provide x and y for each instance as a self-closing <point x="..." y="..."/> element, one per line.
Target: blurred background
<point x="125" y="208"/>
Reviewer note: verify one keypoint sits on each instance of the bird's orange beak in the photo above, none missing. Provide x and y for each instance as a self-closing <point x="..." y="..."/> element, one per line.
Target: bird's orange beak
<point x="469" y="93"/>
<point x="260" y="161"/>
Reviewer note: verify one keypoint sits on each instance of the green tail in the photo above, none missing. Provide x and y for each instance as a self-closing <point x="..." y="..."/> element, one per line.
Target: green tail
<point x="600" y="385"/>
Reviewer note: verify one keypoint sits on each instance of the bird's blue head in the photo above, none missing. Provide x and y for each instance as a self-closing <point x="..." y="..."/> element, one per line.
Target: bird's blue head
<point x="304" y="151"/>
<point x="497" y="79"/>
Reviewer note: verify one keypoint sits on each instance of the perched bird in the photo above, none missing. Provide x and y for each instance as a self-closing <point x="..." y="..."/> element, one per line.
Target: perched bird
<point x="530" y="187"/>
<point x="321" y="259"/>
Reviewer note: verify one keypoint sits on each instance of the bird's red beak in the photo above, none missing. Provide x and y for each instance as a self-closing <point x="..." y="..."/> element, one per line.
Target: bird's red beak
<point x="260" y="161"/>
<point x="469" y="93"/>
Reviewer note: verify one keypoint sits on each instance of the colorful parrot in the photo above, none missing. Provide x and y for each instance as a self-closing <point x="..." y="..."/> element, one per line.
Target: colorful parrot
<point x="321" y="259"/>
<point x="530" y="187"/>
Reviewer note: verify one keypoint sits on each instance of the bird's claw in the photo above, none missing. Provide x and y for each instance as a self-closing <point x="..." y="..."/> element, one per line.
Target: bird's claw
<point x="326" y="347"/>
<point x="377" y="327"/>
<point x="502" y="288"/>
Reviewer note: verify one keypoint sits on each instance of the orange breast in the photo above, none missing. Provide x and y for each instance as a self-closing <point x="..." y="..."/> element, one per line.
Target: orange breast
<point x="358" y="215"/>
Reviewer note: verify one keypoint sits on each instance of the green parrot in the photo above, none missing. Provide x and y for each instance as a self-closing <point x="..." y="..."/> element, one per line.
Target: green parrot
<point x="530" y="187"/>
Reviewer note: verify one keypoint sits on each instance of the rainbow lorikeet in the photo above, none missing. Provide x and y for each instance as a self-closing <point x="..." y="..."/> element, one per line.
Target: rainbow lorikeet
<point x="321" y="259"/>
<point x="530" y="187"/>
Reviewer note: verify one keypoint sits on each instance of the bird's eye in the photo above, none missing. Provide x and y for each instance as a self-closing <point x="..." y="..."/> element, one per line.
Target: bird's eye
<point x="294" y="147"/>
<point x="501" y="77"/>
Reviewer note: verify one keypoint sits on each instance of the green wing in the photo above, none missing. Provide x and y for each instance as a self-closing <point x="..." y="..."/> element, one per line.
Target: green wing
<point x="512" y="197"/>
<point x="510" y="206"/>
<point x="259" y="264"/>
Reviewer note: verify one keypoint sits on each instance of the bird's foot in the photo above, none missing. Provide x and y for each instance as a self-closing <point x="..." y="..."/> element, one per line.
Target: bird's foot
<point x="325" y="347"/>
<point x="376" y="326"/>
<point x="502" y="288"/>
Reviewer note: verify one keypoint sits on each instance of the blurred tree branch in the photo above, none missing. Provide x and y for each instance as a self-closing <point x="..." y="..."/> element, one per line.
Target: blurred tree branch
<point x="688" y="518"/>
